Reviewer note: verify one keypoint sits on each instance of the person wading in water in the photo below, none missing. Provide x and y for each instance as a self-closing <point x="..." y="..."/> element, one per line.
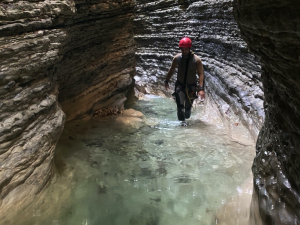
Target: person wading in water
<point x="188" y="65"/>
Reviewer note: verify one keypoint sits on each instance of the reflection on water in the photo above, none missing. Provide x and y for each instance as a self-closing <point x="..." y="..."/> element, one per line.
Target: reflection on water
<point x="147" y="171"/>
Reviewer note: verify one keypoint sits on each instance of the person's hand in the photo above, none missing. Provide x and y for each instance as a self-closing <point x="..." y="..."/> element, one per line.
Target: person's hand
<point x="201" y="94"/>
<point x="167" y="86"/>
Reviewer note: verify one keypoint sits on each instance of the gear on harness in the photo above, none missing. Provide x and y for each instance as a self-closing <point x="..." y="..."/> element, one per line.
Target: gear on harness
<point x="191" y="95"/>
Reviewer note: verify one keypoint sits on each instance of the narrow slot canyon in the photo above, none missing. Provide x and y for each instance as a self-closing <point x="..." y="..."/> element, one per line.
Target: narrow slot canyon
<point x="89" y="134"/>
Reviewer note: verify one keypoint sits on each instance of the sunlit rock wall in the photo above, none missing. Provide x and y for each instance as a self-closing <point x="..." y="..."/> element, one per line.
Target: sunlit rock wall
<point x="271" y="28"/>
<point x="232" y="73"/>
<point x="57" y="58"/>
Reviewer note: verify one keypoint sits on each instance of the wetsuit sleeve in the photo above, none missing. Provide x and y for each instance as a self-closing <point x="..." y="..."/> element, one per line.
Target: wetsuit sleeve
<point x="200" y="72"/>
<point x="172" y="69"/>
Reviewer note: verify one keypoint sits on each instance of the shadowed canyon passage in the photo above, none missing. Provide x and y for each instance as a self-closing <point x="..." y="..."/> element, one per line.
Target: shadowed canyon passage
<point x="66" y="60"/>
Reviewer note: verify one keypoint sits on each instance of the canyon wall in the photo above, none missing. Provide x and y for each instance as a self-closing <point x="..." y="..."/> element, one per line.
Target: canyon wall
<point x="232" y="73"/>
<point x="271" y="28"/>
<point x="59" y="60"/>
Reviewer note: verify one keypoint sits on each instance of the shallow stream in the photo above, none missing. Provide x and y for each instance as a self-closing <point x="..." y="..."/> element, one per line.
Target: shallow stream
<point x="144" y="170"/>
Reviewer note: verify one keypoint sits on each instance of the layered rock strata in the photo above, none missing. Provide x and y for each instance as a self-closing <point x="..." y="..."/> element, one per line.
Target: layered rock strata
<point x="271" y="28"/>
<point x="57" y="58"/>
<point x="232" y="73"/>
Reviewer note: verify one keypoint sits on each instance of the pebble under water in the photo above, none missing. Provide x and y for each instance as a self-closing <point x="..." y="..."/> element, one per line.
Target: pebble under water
<point x="143" y="170"/>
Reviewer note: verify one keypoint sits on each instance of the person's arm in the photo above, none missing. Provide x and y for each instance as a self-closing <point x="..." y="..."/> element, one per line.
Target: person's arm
<point x="170" y="72"/>
<point x="200" y="72"/>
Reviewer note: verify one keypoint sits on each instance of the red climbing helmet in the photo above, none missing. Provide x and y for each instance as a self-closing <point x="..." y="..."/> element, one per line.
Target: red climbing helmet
<point x="185" y="43"/>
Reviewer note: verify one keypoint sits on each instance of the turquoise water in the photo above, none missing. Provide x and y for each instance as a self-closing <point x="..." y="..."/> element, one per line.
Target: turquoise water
<point x="147" y="171"/>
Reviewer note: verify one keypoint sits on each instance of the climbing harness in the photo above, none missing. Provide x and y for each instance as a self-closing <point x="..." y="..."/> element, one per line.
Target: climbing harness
<point x="191" y="95"/>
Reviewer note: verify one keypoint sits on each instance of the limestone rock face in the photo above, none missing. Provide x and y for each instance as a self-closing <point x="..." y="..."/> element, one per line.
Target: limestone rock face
<point x="232" y="72"/>
<point x="271" y="28"/>
<point x="57" y="58"/>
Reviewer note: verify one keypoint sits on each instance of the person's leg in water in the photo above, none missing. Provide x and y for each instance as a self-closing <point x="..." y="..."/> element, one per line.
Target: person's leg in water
<point x="188" y="108"/>
<point x="180" y="106"/>
<point x="180" y="98"/>
<point x="189" y="102"/>
<point x="187" y="112"/>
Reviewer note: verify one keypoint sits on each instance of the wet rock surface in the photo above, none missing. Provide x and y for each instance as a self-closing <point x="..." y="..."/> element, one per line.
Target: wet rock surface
<point x="59" y="60"/>
<point x="272" y="31"/>
<point x="232" y="72"/>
